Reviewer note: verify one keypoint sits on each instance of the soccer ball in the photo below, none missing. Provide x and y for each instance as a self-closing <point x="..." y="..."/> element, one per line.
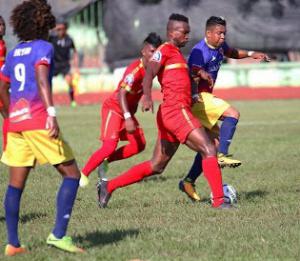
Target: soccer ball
<point x="230" y="194"/>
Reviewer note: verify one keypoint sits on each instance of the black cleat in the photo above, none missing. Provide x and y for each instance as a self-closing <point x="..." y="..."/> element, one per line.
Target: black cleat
<point x="103" y="195"/>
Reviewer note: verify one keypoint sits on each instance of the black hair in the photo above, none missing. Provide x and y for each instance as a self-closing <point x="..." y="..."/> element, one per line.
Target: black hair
<point x="1" y="18"/>
<point x="153" y="39"/>
<point x="32" y="19"/>
<point x="63" y="21"/>
<point x="178" y="17"/>
<point x="215" y="20"/>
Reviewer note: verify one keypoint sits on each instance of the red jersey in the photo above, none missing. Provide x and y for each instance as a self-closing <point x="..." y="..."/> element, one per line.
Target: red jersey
<point x="173" y="76"/>
<point x="2" y="52"/>
<point x="132" y="82"/>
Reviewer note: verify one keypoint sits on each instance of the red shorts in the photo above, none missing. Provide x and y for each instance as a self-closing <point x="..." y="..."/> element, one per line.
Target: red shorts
<point x="113" y="125"/>
<point x="175" y="124"/>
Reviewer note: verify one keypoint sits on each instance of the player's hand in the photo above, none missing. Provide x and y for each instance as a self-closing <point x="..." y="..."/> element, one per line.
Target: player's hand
<point x="147" y="104"/>
<point x="207" y="77"/>
<point x="195" y="99"/>
<point x="130" y="125"/>
<point x="52" y="126"/>
<point x="260" y="56"/>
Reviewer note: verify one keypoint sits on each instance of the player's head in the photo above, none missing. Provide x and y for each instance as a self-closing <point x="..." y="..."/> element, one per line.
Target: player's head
<point x="215" y="30"/>
<point x="61" y="28"/>
<point x="32" y="20"/>
<point x="150" y="44"/>
<point x="178" y="29"/>
<point x="2" y="26"/>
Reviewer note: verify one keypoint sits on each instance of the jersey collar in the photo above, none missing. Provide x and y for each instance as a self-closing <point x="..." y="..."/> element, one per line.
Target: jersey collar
<point x="210" y="46"/>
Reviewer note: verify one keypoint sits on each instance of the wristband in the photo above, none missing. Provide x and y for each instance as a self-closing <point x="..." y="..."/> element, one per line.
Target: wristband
<point x="195" y="96"/>
<point x="51" y="111"/>
<point x="127" y="115"/>
<point x="250" y="53"/>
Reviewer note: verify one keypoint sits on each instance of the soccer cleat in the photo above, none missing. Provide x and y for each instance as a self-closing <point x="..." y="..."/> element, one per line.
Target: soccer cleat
<point x="84" y="180"/>
<point x="64" y="243"/>
<point x="227" y="161"/>
<point x="102" y="170"/>
<point x="103" y="195"/>
<point x="73" y="104"/>
<point x="189" y="189"/>
<point x="12" y="251"/>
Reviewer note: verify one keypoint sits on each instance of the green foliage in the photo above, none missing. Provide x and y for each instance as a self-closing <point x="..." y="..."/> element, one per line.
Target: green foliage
<point x="153" y="220"/>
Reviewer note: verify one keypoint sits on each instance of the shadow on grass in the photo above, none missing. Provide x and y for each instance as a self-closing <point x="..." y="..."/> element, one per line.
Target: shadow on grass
<point x="98" y="238"/>
<point x="252" y="195"/>
<point x="27" y="217"/>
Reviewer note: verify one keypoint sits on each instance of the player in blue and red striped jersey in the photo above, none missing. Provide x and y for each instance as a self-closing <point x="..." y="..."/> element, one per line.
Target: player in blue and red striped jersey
<point x="33" y="131"/>
<point x="118" y="120"/>
<point x="204" y="62"/>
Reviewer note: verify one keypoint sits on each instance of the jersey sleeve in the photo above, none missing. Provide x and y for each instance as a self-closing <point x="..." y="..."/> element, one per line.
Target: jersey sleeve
<point x="44" y="55"/>
<point x="226" y="47"/>
<point x="5" y="71"/>
<point x="160" y="55"/>
<point x="196" y="60"/>
<point x="129" y="77"/>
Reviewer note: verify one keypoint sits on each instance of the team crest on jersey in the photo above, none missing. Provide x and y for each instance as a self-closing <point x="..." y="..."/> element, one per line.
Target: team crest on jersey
<point x="129" y="79"/>
<point x="156" y="56"/>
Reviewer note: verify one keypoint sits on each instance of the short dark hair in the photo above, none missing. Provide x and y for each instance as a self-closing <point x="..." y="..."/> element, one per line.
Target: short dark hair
<point x="153" y="39"/>
<point x="63" y="21"/>
<point x="32" y="19"/>
<point x="1" y="18"/>
<point x="215" y="20"/>
<point x="178" y="17"/>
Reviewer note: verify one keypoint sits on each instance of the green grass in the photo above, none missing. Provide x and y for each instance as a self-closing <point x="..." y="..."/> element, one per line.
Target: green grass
<point x="154" y="221"/>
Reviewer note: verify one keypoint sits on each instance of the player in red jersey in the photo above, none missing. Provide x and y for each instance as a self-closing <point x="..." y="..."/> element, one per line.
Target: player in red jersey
<point x="118" y="120"/>
<point x="2" y="60"/>
<point x="175" y="121"/>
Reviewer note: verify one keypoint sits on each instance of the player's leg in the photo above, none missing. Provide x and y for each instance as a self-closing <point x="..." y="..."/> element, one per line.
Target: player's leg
<point x="111" y="127"/>
<point x="199" y="141"/>
<point x="17" y="180"/>
<point x="64" y="204"/>
<point x="230" y="118"/>
<point x="68" y="79"/>
<point x="187" y="184"/>
<point x="136" y="144"/>
<point x="163" y="152"/>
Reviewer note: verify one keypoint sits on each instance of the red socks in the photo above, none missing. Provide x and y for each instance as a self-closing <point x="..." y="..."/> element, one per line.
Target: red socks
<point x="213" y="175"/>
<point x="136" y="144"/>
<point x="133" y="175"/>
<point x="98" y="156"/>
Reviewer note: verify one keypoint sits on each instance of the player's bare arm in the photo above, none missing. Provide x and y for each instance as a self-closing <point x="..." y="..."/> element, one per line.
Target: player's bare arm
<point x="129" y="123"/>
<point x="42" y="74"/>
<point x="151" y="71"/>
<point x="4" y="96"/>
<point x="241" y="54"/>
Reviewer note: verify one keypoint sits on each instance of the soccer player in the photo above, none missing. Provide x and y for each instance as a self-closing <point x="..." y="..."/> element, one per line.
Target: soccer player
<point x="2" y="60"/>
<point x="63" y="46"/>
<point x="204" y="62"/>
<point x="118" y="120"/>
<point x="33" y="130"/>
<point x="175" y="121"/>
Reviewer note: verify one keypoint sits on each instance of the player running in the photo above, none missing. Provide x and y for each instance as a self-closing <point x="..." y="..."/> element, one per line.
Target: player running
<point x="204" y="63"/>
<point x="33" y="130"/>
<point x="175" y="121"/>
<point x="63" y="46"/>
<point x="118" y="120"/>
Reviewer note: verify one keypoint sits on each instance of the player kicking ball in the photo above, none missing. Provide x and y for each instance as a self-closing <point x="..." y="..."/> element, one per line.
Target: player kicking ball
<point x="33" y="130"/>
<point x="175" y="121"/>
<point x="204" y="63"/>
<point x="118" y="120"/>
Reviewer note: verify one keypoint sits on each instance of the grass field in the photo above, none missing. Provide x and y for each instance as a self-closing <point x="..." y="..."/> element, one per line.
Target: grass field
<point x="152" y="220"/>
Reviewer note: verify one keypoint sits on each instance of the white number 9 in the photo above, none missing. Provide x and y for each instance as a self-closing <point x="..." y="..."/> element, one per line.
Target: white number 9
<point x="20" y="75"/>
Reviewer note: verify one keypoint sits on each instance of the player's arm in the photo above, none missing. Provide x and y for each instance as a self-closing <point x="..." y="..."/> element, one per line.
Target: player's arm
<point x="4" y="96"/>
<point x="152" y="70"/>
<point x="198" y="73"/>
<point x="129" y="122"/>
<point x="241" y="54"/>
<point x="42" y="78"/>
